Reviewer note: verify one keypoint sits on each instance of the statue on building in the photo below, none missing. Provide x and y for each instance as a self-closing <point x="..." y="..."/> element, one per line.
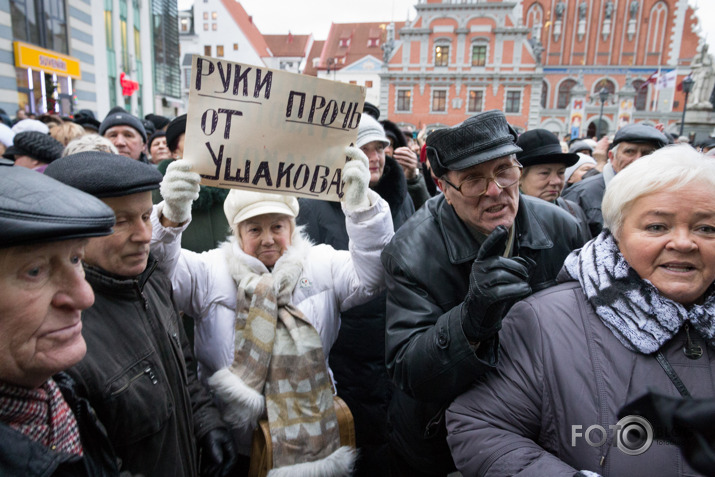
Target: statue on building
<point x="389" y="46"/>
<point x="582" y="10"/>
<point x="560" y="7"/>
<point x="537" y="48"/>
<point x="703" y="76"/>
<point x="609" y="10"/>
<point x="634" y="8"/>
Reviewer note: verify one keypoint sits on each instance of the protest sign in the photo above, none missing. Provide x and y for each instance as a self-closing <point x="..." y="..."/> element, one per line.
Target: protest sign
<point x="255" y="128"/>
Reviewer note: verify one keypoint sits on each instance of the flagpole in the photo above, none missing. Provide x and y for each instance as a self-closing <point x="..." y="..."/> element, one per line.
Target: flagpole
<point x="657" y="91"/>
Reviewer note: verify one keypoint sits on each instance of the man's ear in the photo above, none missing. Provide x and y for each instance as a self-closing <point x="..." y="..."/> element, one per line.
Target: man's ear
<point x="610" y="154"/>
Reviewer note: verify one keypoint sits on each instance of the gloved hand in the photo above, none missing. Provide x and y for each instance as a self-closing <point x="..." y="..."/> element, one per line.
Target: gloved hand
<point x="217" y="453"/>
<point x="495" y="284"/>
<point x="179" y="189"/>
<point x="356" y="179"/>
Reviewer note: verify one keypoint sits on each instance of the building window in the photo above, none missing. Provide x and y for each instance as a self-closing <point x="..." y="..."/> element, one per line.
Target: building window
<point x="206" y="15"/>
<point x="235" y="47"/>
<point x="373" y="42"/>
<point x="187" y="77"/>
<point x="441" y="55"/>
<point x="544" y="94"/>
<point x="475" y="104"/>
<point x="214" y="26"/>
<point x="657" y="26"/>
<point x="353" y="82"/>
<point x="610" y="87"/>
<point x="513" y="102"/>
<point x="109" y="29"/>
<point x="439" y="101"/>
<point x="344" y="42"/>
<point x="184" y="25"/>
<point x="219" y="51"/>
<point x="564" y="100"/>
<point x="40" y="23"/>
<point x="206" y="27"/>
<point x="479" y="55"/>
<point x="404" y="100"/>
<point x="207" y="50"/>
<point x="641" y="100"/>
<point x="368" y="84"/>
<point x="214" y="16"/>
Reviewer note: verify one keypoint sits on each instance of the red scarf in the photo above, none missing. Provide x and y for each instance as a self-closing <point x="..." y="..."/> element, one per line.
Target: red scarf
<point x="42" y="414"/>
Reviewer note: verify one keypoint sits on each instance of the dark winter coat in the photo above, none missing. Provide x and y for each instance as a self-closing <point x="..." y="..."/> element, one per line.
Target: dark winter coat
<point x="574" y="209"/>
<point x="357" y="358"/>
<point x="136" y="374"/>
<point x="427" y="264"/>
<point x="21" y="456"/>
<point x="561" y="367"/>
<point x="588" y="194"/>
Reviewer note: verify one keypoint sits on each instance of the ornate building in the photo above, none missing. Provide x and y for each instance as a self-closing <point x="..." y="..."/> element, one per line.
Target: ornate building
<point x="544" y="63"/>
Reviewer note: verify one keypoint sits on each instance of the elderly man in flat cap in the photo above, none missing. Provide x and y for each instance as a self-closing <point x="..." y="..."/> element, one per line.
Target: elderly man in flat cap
<point x="138" y="372"/>
<point x="630" y="144"/>
<point x="33" y="150"/>
<point x="46" y="427"/>
<point x="126" y="132"/>
<point x="453" y="270"/>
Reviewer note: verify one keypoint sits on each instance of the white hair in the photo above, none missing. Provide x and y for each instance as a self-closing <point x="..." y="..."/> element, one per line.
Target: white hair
<point x="89" y="142"/>
<point x="668" y="169"/>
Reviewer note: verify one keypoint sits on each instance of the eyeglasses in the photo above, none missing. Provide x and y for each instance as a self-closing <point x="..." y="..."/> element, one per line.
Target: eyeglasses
<point x="477" y="186"/>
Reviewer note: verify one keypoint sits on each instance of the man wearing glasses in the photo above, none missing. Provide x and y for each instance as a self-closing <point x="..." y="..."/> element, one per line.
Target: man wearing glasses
<point x="453" y="270"/>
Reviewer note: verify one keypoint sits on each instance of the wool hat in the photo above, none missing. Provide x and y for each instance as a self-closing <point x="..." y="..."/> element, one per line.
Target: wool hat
<point x="159" y="122"/>
<point x="539" y="146"/>
<point x="370" y="130"/>
<point x="582" y="159"/>
<point x="119" y="117"/>
<point x="174" y="130"/>
<point x="148" y="127"/>
<point x="86" y="119"/>
<point x="395" y="133"/>
<point x="36" y="145"/>
<point x="481" y="138"/>
<point x="371" y="109"/>
<point x="580" y="146"/>
<point x="105" y="175"/>
<point x="6" y="135"/>
<point x="156" y="135"/>
<point x="640" y="133"/>
<point x="30" y="125"/>
<point x="244" y="204"/>
<point x="35" y="208"/>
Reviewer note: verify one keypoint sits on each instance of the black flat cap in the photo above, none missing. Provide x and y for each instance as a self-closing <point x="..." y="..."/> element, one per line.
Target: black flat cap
<point x="119" y="117"/>
<point x="104" y="175"/>
<point x="640" y="133"/>
<point x="479" y="139"/>
<point x="158" y="121"/>
<point x="174" y="130"/>
<point x="36" y="145"/>
<point x="540" y="146"/>
<point x="394" y="132"/>
<point x="35" y="208"/>
<point x="371" y="109"/>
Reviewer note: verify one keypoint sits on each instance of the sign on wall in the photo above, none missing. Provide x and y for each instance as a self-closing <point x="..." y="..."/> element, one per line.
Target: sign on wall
<point x="255" y="128"/>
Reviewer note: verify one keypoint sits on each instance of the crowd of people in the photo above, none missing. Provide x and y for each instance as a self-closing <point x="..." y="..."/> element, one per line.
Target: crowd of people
<point x="483" y="301"/>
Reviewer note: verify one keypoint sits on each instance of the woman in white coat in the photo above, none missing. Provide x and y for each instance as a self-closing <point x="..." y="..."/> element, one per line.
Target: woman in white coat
<point x="267" y="306"/>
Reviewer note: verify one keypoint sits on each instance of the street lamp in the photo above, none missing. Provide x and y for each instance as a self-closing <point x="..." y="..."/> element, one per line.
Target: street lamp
<point x="688" y="83"/>
<point x="603" y="95"/>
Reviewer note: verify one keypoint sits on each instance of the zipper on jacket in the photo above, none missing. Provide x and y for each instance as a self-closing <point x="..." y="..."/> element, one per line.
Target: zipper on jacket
<point x="148" y="371"/>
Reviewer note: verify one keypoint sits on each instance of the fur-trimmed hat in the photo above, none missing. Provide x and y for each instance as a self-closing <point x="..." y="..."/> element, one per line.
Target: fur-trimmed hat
<point x="105" y="175"/>
<point x="119" y="117"/>
<point x="36" y="145"/>
<point x="244" y="204"/>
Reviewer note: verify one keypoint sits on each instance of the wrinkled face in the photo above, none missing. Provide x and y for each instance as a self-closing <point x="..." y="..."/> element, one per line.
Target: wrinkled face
<point x="126" y="251"/>
<point x="628" y="152"/>
<point x="496" y="207"/>
<point x="578" y="173"/>
<point x="375" y="152"/>
<point x="158" y="150"/>
<point x="26" y="161"/>
<point x="127" y="140"/>
<point x="544" y="181"/>
<point x="669" y="239"/>
<point x="42" y="293"/>
<point x="266" y="237"/>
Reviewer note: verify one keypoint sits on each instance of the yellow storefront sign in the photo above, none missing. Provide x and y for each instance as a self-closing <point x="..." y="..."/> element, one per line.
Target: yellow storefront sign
<point x="31" y="56"/>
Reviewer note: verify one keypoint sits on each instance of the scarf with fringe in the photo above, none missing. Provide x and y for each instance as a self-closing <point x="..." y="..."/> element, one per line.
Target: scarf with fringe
<point x="633" y="309"/>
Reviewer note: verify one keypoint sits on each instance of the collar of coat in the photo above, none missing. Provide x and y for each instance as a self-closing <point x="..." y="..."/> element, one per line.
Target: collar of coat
<point x="103" y="281"/>
<point x="392" y="185"/>
<point x="461" y="245"/>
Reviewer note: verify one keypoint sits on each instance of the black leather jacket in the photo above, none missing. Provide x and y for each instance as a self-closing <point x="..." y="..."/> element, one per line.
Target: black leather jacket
<point x="22" y="457"/>
<point x="427" y="266"/>
<point x="588" y="194"/>
<point x="137" y="374"/>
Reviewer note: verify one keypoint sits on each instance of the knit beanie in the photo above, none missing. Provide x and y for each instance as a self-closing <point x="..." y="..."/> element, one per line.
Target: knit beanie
<point x="370" y="130"/>
<point x="119" y="117"/>
<point x="583" y="159"/>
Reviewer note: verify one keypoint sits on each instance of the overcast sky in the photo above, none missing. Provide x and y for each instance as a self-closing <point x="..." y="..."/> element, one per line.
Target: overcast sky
<point x="315" y="16"/>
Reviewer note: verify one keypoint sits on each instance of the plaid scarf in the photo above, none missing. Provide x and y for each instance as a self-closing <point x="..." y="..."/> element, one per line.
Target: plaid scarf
<point x="42" y="414"/>
<point x="633" y="309"/>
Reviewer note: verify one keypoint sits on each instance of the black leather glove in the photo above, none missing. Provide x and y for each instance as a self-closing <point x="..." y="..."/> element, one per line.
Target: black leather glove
<point x="218" y="454"/>
<point x="495" y="284"/>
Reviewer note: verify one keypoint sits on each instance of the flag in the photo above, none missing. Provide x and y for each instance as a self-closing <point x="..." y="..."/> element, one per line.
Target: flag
<point x="667" y="80"/>
<point x="652" y="79"/>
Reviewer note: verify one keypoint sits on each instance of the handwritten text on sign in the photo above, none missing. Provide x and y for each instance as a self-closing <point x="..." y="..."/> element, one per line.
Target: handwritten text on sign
<point x="254" y="128"/>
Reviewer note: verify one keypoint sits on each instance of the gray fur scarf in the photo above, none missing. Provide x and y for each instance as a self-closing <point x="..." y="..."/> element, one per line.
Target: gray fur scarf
<point x="633" y="309"/>
<point x="279" y="369"/>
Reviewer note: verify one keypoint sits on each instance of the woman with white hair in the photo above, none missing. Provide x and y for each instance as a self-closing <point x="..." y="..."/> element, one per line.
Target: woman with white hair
<point x="635" y="312"/>
<point x="267" y="307"/>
